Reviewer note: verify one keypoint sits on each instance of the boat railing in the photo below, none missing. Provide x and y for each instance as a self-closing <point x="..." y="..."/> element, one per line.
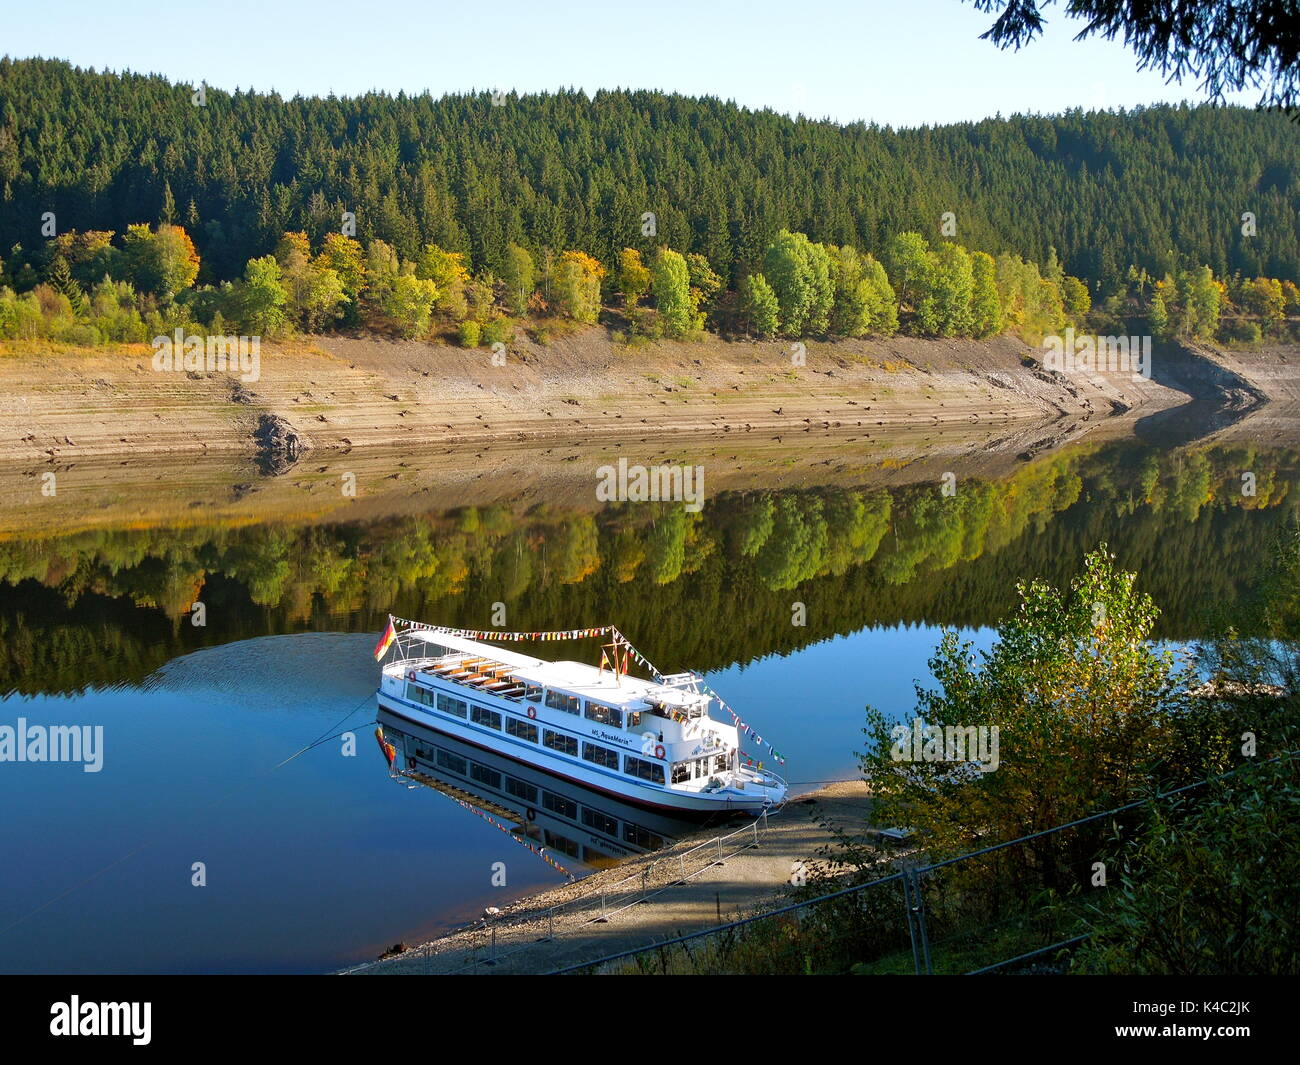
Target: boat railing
<point x="418" y="661"/>
<point x="686" y="681"/>
<point x="766" y="777"/>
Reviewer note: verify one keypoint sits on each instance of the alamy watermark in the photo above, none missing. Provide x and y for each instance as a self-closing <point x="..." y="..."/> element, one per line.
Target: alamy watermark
<point x="645" y="484"/>
<point x="1097" y="354"/>
<point x="919" y="742"/>
<point x="210" y="354"/>
<point x="53" y="743"/>
<point x="77" y="1018"/>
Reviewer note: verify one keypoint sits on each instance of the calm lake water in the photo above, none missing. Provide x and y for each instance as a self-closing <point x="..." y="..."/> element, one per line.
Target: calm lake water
<point x="325" y="860"/>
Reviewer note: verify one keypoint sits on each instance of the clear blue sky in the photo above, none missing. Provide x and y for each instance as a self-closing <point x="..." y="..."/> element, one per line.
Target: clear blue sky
<point x="900" y="62"/>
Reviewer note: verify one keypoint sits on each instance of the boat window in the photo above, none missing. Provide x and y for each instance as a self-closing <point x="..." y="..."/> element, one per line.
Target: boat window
<point x="558" y="741"/>
<point x="641" y="837"/>
<point x="682" y="773"/>
<point x="525" y="730"/>
<point x="702" y="767"/>
<point x="532" y="692"/>
<point x="570" y="704"/>
<point x="419" y="695"/>
<point x="606" y="715"/>
<point x="484" y="775"/>
<point x="594" y="752"/>
<point x="481" y="716"/>
<point x="521" y="789"/>
<point x="639" y="767"/>
<point x="562" y="844"/>
<point x="560" y="805"/>
<point x="600" y="822"/>
<point x="454" y="762"/>
<point x="720" y="763"/>
<point x="633" y="719"/>
<point x="448" y="705"/>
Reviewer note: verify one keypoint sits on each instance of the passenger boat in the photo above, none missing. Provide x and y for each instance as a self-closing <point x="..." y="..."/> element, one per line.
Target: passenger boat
<point x="646" y="741"/>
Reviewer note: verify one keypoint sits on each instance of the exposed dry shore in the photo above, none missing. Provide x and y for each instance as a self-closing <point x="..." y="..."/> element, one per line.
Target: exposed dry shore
<point x="425" y="426"/>
<point x="743" y="882"/>
<point x="339" y="394"/>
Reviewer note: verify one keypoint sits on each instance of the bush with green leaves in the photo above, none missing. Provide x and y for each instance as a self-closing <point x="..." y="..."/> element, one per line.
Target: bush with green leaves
<point x="497" y="331"/>
<point x="468" y="333"/>
<point x="1210" y="885"/>
<point x="1085" y="707"/>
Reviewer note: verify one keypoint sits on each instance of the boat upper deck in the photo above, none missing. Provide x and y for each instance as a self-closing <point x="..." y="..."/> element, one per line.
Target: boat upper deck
<point x="479" y="665"/>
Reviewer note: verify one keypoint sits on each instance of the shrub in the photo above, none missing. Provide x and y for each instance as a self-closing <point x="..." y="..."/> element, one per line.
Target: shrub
<point x="469" y="332"/>
<point x="498" y="331"/>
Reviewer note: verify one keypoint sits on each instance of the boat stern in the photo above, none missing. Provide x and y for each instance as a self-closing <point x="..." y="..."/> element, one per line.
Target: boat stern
<point x="753" y="788"/>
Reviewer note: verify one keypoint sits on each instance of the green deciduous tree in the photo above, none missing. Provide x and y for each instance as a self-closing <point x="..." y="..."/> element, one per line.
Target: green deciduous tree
<point x="519" y="276"/>
<point x="1075" y="297"/>
<point x="316" y="296"/>
<point x="953" y="286"/>
<point x="671" y="284"/>
<point x="345" y="257"/>
<point x="575" y="286"/>
<point x="1085" y="705"/>
<point x="161" y="261"/>
<point x="447" y="271"/>
<point x="799" y="272"/>
<point x="1263" y="297"/>
<point x="260" y="299"/>
<point x="705" y="284"/>
<point x="986" y="313"/>
<point x="633" y="277"/>
<point x="410" y="302"/>
<point x="760" y="308"/>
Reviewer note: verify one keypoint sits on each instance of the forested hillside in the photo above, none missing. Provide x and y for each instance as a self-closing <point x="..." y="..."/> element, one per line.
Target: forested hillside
<point x="134" y="208"/>
<point x="1159" y="188"/>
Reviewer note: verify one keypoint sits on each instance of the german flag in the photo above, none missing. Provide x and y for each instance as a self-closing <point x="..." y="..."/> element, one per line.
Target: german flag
<point x="390" y="634"/>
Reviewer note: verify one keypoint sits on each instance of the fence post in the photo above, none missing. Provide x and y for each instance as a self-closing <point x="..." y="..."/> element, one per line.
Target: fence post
<point x="911" y="922"/>
<point x="914" y="902"/>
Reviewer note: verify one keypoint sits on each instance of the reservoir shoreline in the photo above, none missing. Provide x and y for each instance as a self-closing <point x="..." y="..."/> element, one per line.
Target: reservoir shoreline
<point x="343" y="394"/>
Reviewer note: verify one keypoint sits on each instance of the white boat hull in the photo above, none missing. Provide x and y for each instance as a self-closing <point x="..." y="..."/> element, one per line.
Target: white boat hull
<point x="645" y="793"/>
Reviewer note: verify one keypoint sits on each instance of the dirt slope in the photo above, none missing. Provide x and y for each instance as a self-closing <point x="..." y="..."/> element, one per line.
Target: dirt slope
<point x="341" y="393"/>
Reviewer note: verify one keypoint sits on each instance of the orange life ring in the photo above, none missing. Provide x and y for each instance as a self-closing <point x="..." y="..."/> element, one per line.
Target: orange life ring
<point x="411" y="675"/>
<point x="531" y="814"/>
<point x="531" y="712"/>
<point x="659" y="751"/>
<point x="410" y="761"/>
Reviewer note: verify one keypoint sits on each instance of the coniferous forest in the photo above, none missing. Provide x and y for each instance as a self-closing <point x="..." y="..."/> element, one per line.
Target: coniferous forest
<point x="750" y="221"/>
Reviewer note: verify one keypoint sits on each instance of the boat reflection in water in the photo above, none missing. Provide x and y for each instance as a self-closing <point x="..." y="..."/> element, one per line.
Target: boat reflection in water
<point x="575" y="829"/>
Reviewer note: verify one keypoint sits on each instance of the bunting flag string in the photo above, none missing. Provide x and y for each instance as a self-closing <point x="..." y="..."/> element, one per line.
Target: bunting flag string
<point x="744" y="729"/>
<point x="584" y="634"/>
<point x="500" y="634"/>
